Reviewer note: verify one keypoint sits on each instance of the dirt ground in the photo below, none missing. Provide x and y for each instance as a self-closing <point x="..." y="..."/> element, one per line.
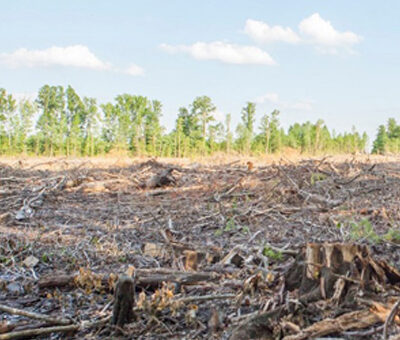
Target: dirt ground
<point x="206" y="251"/>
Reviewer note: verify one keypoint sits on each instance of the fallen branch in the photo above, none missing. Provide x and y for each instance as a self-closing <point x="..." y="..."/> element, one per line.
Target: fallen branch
<point x="144" y="278"/>
<point x="353" y="320"/>
<point x="36" y="316"/>
<point x="29" y="333"/>
<point x="205" y="298"/>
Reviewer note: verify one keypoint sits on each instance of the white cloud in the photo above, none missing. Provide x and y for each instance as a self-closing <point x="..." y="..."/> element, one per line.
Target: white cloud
<point x="70" y="56"/>
<point x="302" y="105"/>
<point x="261" y="32"/>
<point x="274" y="99"/>
<point x="134" y="70"/>
<point x="75" y="56"/>
<point x="270" y="97"/>
<point x="224" y="52"/>
<point x="320" y="32"/>
<point x="313" y="30"/>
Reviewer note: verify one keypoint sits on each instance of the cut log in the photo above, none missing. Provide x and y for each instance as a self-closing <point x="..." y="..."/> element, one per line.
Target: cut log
<point x="353" y="320"/>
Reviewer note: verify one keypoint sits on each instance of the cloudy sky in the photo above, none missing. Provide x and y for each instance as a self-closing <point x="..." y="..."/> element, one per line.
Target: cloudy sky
<point x="336" y="60"/>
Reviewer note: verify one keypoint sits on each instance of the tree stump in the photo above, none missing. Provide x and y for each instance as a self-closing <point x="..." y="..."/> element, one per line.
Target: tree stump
<point x="123" y="303"/>
<point x="336" y="271"/>
<point x="163" y="179"/>
<point x="331" y="275"/>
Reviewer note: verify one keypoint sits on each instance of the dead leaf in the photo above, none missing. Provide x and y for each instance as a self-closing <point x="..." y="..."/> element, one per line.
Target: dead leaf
<point x="31" y="261"/>
<point x="191" y="260"/>
<point x="153" y="249"/>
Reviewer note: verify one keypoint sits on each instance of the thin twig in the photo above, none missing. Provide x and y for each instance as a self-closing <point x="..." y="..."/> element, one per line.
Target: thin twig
<point x="390" y="318"/>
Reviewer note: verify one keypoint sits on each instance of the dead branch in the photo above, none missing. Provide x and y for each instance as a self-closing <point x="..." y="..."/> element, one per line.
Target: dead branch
<point x="29" y="333"/>
<point x="390" y="318"/>
<point x="144" y="278"/>
<point x="37" y="316"/>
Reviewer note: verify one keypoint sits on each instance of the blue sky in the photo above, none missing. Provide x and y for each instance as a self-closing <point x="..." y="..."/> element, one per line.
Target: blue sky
<point x="335" y="60"/>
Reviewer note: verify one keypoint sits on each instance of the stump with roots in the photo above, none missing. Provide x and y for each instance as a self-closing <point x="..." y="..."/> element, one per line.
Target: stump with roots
<point x="337" y="271"/>
<point x="327" y="279"/>
<point x="123" y="303"/>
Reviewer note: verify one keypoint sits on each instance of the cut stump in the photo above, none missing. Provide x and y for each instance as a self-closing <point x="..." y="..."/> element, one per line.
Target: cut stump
<point x="327" y="277"/>
<point x="124" y="299"/>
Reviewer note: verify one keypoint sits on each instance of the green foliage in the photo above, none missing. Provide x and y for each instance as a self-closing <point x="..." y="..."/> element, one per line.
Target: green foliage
<point x="316" y="177"/>
<point x="272" y="254"/>
<point x="363" y="230"/>
<point x="61" y="122"/>
<point x="231" y="227"/>
<point x="387" y="139"/>
<point x="392" y="235"/>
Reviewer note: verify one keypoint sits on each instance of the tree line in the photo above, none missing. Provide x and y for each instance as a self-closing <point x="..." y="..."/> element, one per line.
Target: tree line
<point x="60" y="122"/>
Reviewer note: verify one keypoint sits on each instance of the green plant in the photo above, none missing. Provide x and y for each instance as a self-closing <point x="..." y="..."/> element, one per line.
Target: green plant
<point x="218" y="232"/>
<point x="316" y="177"/>
<point x="392" y="235"/>
<point x="230" y="225"/>
<point x="245" y="229"/>
<point x="272" y="254"/>
<point x="363" y="230"/>
<point x="45" y="257"/>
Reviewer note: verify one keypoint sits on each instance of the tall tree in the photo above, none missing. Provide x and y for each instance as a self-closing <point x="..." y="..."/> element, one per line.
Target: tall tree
<point x="91" y="125"/>
<point x="270" y="129"/>
<point x="75" y="117"/>
<point x="380" y="143"/>
<point x="228" y="135"/>
<point x="7" y="110"/>
<point x="24" y="123"/>
<point x="152" y="128"/>
<point x="248" y="118"/>
<point x="52" y="122"/>
<point x="202" y="109"/>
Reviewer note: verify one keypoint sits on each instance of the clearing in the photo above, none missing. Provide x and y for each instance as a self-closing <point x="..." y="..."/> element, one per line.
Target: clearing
<point x="210" y="250"/>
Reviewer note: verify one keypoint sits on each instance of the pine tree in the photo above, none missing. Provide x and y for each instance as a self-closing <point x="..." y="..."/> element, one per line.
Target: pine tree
<point x="380" y="143"/>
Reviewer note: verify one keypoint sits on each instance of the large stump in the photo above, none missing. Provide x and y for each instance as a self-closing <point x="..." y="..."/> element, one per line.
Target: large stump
<point x="327" y="277"/>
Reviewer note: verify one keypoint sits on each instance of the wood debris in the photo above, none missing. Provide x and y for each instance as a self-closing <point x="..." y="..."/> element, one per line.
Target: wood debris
<point x="240" y="250"/>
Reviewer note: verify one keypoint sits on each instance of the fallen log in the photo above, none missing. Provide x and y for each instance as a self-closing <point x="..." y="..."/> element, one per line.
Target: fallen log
<point x="378" y="313"/>
<point x="353" y="320"/>
<point x="145" y="278"/>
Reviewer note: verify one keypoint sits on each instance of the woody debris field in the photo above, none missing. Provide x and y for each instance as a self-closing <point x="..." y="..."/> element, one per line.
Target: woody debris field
<point x="216" y="249"/>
